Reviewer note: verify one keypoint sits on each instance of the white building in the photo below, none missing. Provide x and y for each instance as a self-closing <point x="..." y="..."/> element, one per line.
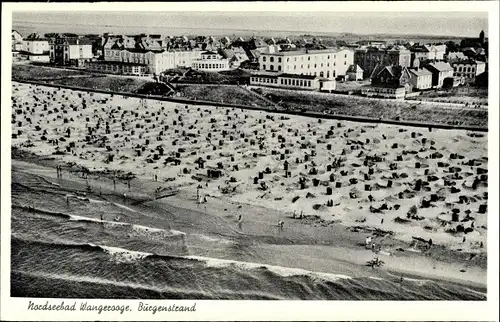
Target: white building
<point x="17" y="41"/>
<point x="211" y="62"/>
<point x="292" y="81"/>
<point x="324" y="63"/>
<point x="436" y="52"/>
<point x="157" y="61"/>
<point x="37" y="49"/>
<point x="71" y="51"/>
<point x="421" y="78"/>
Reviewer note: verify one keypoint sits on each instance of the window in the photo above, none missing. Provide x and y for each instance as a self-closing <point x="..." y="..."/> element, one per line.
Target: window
<point x="345" y="62"/>
<point x="279" y="59"/>
<point x="309" y="58"/>
<point x="294" y="66"/>
<point x="321" y="64"/>
<point x="460" y="69"/>
<point x="345" y="56"/>
<point x="279" y="67"/>
<point x="282" y="81"/>
<point x="271" y="59"/>
<point x="309" y="83"/>
<point x="264" y="67"/>
<point x="327" y="74"/>
<point x="314" y="65"/>
<point x="300" y="82"/>
<point x="328" y="56"/>
<point x="271" y="67"/>
<point x="264" y="58"/>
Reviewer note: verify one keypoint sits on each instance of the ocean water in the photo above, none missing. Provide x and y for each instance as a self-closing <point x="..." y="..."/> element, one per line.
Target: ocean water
<point x="68" y="251"/>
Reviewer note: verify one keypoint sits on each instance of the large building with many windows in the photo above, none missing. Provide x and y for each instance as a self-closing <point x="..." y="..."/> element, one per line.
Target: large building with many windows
<point x="329" y="63"/>
<point x="156" y="61"/>
<point x="468" y="69"/>
<point x="211" y="62"/>
<point x="292" y="81"/>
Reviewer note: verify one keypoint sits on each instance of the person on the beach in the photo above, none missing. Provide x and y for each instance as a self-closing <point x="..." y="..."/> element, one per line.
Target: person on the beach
<point x="102" y="219"/>
<point x="67" y="200"/>
<point x="430" y="242"/>
<point x="382" y="221"/>
<point x="239" y="217"/>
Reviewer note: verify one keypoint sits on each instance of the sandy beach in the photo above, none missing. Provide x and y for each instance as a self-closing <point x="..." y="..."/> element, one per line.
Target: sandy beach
<point x="401" y="186"/>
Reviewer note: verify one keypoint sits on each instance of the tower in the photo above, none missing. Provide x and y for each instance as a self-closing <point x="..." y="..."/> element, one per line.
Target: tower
<point x="481" y="37"/>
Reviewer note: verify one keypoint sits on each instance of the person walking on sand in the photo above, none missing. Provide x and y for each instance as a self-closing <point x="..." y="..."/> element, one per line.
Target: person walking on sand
<point x="67" y="199"/>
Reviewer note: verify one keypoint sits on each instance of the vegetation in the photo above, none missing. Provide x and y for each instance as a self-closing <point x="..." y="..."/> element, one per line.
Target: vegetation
<point x="225" y="94"/>
<point x="36" y="73"/>
<point x="109" y="83"/>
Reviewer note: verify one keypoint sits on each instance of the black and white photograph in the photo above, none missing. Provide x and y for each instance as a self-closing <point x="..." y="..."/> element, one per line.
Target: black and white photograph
<point x="249" y="155"/>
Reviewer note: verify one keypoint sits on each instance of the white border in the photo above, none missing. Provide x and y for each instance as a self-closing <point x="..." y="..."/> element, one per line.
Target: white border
<point x="15" y="309"/>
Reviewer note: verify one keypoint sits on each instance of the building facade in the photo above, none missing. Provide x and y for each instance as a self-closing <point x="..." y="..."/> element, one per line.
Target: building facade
<point x="468" y="69"/>
<point x="291" y="81"/>
<point x="368" y="58"/>
<point x="324" y="63"/>
<point x="392" y="92"/>
<point x="440" y="71"/>
<point x="157" y="61"/>
<point x="116" y="67"/>
<point x="354" y="73"/>
<point x="421" y="79"/>
<point x="17" y="41"/>
<point x="70" y="51"/>
<point x="211" y="62"/>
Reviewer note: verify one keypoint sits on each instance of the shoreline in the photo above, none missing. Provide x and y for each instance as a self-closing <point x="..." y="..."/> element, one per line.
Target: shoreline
<point x="340" y="249"/>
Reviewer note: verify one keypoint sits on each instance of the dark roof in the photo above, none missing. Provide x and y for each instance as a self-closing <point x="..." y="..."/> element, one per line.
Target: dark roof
<point x="141" y="50"/>
<point x="298" y="76"/>
<point x="208" y="53"/>
<point x="81" y="41"/>
<point x="109" y="62"/>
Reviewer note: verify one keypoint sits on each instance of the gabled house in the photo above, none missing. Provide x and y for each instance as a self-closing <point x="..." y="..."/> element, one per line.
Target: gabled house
<point x="70" y="51"/>
<point x="421" y="78"/>
<point x="36" y="48"/>
<point x="17" y="41"/>
<point x="440" y="71"/>
<point x="391" y="76"/>
<point x="354" y="73"/>
<point x="436" y="52"/>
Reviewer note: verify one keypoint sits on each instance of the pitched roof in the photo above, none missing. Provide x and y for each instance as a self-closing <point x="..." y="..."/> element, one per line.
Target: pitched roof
<point x="208" y="53"/>
<point x="420" y="72"/>
<point x="354" y="69"/>
<point x="441" y="66"/>
<point x="81" y="41"/>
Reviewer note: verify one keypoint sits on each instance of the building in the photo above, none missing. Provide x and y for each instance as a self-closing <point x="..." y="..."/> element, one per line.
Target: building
<point x="419" y="53"/>
<point x="354" y="73"/>
<point x="211" y="62"/>
<point x="393" y="92"/>
<point x="455" y="56"/>
<point x="436" y="52"/>
<point x="391" y="77"/>
<point x="440" y="71"/>
<point x="369" y="57"/>
<point x="157" y="61"/>
<point x="36" y="48"/>
<point x="118" y="67"/>
<point x="329" y="63"/>
<point x="17" y="41"/>
<point x="291" y="81"/>
<point x="70" y="51"/>
<point x="468" y="69"/>
<point x="421" y="79"/>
